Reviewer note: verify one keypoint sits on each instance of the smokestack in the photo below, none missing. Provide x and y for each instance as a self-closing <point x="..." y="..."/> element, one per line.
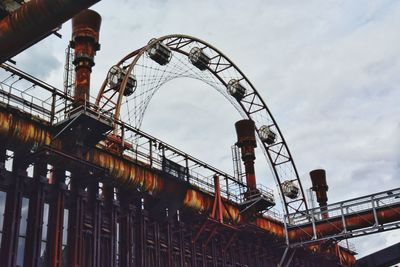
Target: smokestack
<point x="245" y="130"/>
<point x="320" y="187"/>
<point x="85" y="41"/>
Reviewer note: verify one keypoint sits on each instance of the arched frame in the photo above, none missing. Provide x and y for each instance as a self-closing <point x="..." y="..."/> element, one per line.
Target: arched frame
<point x="219" y="71"/>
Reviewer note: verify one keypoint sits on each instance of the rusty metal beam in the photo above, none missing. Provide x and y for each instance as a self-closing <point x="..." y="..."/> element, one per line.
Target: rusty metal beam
<point x="33" y="21"/>
<point x="21" y="132"/>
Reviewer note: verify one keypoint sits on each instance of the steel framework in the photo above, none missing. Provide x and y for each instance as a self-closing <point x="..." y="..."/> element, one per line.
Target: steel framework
<point x="218" y="73"/>
<point x="85" y="211"/>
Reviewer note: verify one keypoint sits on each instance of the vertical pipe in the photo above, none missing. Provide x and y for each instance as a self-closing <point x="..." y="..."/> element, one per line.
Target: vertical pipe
<point x="126" y="233"/>
<point x="217" y="207"/>
<point x="3" y="150"/>
<point x="245" y="130"/>
<point x="181" y="244"/>
<point x="194" y="252"/>
<point x="108" y="251"/>
<point x="169" y="243"/>
<point x="12" y="215"/>
<point x="141" y="255"/>
<point x="76" y="214"/>
<point x="85" y="41"/>
<point x="157" y="243"/>
<point x="320" y="187"/>
<point x="94" y="213"/>
<point x="35" y="216"/>
<point x="56" y="219"/>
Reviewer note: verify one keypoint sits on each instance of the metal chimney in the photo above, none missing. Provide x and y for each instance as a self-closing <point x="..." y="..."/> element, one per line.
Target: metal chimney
<point x="320" y="187"/>
<point x="85" y="41"/>
<point x="245" y="130"/>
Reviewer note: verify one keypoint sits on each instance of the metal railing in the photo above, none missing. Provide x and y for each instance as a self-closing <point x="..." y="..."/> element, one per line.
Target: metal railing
<point x="31" y="95"/>
<point x="339" y="214"/>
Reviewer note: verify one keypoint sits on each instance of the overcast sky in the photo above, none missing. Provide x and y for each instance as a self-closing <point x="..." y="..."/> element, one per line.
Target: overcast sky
<point x="328" y="70"/>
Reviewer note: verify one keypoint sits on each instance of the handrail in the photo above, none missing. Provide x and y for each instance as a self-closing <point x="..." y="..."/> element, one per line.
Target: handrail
<point x="58" y="106"/>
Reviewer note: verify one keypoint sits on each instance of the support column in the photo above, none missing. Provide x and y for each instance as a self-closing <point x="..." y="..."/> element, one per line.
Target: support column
<point x="141" y="259"/>
<point x="170" y="244"/>
<point x="56" y="218"/>
<point x="126" y="231"/>
<point x="12" y="214"/>
<point x="3" y="150"/>
<point x="93" y="232"/>
<point x="109" y="232"/>
<point x="181" y="244"/>
<point x="75" y="232"/>
<point x="35" y="216"/>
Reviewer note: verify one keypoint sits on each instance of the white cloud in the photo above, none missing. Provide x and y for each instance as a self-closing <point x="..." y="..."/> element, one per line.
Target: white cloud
<point x="327" y="69"/>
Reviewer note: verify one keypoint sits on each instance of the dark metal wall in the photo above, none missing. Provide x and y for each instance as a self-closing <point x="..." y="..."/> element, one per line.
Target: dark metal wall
<point x="56" y="218"/>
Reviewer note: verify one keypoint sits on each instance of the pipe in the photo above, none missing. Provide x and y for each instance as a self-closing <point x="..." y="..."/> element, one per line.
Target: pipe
<point x="33" y="21"/>
<point x="355" y="221"/>
<point x="245" y="130"/>
<point x="85" y="41"/>
<point x="320" y="187"/>
<point x="24" y="133"/>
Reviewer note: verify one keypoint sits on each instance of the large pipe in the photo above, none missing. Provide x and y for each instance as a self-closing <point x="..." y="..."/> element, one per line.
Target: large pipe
<point x="24" y="133"/>
<point x="334" y="225"/>
<point x="320" y="187"/>
<point x="246" y="141"/>
<point x="85" y="41"/>
<point x="33" y="21"/>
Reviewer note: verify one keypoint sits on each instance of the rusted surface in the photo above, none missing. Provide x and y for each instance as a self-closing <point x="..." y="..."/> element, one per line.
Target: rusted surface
<point x="271" y="226"/>
<point x="320" y="187"/>
<point x="33" y="21"/>
<point x="126" y="173"/>
<point x="85" y="41"/>
<point x="23" y="132"/>
<point x="245" y="130"/>
<point x="204" y="203"/>
<point x="354" y="221"/>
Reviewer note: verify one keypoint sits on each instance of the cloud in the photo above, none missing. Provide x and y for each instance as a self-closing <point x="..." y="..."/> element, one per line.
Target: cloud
<point x="328" y="71"/>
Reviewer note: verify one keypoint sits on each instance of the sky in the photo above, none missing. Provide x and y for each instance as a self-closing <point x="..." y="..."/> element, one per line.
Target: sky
<point x="328" y="71"/>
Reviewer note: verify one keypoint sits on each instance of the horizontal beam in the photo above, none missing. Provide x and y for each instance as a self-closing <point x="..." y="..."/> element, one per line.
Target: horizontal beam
<point x="33" y="21"/>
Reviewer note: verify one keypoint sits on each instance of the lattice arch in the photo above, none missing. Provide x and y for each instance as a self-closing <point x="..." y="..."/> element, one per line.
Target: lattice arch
<point x="133" y="81"/>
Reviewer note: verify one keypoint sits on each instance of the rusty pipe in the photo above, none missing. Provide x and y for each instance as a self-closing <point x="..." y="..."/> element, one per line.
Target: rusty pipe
<point x="246" y="141"/>
<point x="24" y="133"/>
<point x="355" y="221"/>
<point x="85" y="41"/>
<point x="34" y="21"/>
<point x="320" y="187"/>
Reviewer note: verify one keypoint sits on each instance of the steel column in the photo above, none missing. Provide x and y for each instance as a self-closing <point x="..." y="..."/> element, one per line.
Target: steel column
<point x="35" y="216"/>
<point x="12" y="215"/>
<point x="76" y="216"/>
<point x="141" y="259"/>
<point x="109" y="222"/>
<point x="126" y="231"/>
<point x="94" y="214"/>
<point x="56" y="219"/>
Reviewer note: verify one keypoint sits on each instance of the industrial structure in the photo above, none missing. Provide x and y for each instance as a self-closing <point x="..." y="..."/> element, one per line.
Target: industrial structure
<point x="82" y="185"/>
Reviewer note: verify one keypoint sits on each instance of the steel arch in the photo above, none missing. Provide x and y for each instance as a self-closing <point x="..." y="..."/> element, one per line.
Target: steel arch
<point x="251" y="106"/>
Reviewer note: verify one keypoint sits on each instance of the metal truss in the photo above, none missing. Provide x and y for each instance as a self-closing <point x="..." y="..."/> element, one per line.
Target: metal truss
<point x="147" y="77"/>
<point x="365" y="215"/>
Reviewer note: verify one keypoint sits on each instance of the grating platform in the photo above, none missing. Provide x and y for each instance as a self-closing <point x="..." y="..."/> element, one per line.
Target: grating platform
<point x="86" y="126"/>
